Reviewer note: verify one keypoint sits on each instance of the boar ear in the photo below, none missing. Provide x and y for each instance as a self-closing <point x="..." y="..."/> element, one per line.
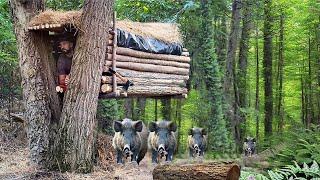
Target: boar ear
<point x="117" y="126"/>
<point x="138" y="126"/>
<point x="245" y="139"/>
<point x="172" y="127"/>
<point x="190" y="131"/>
<point x="254" y="139"/>
<point x="152" y="126"/>
<point x="203" y="132"/>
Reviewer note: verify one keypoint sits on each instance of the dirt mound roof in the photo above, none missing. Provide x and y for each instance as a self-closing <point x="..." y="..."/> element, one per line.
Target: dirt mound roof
<point x="162" y="31"/>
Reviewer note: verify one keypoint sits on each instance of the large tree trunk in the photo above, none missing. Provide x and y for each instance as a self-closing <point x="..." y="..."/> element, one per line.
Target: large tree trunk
<point x="267" y="68"/>
<point x="41" y="102"/>
<point x="166" y="109"/>
<point x="213" y="170"/>
<point x="231" y="95"/>
<point x="74" y="146"/>
<point x="243" y="65"/>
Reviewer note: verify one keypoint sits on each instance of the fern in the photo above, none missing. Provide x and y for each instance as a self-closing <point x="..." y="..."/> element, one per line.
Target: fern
<point x="294" y="171"/>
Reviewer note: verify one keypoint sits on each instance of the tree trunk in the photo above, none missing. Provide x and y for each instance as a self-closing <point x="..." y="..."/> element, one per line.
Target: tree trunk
<point x="141" y="105"/>
<point x="280" y="109"/>
<point x="74" y="146"/>
<point x="166" y="109"/>
<point x="129" y="106"/>
<point x="257" y="83"/>
<point x="213" y="170"/>
<point x="230" y="89"/>
<point x="267" y="68"/>
<point x="243" y="65"/>
<point x="42" y="107"/>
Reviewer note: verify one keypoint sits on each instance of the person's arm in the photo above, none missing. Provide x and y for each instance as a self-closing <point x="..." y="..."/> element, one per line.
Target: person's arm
<point x="61" y="72"/>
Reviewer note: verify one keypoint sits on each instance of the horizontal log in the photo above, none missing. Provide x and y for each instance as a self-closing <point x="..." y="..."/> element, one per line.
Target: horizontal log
<point x="122" y="58"/>
<point x="150" y="68"/>
<point x="146" y="81"/>
<point x="216" y="171"/>
<point x="146" y="55"/>
<point x="156" y="90"/>
<point x="137" y="74"/>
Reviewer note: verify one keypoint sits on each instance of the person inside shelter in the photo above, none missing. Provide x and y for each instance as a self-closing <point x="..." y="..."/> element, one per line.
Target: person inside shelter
<point x="66" y="46"/>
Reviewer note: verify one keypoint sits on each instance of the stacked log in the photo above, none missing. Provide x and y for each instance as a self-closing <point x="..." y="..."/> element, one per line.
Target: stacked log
<point x="153" y="75"/>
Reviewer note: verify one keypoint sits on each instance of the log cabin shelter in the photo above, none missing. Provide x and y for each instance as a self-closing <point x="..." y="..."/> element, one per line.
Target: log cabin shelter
<point x="144" y="59"/>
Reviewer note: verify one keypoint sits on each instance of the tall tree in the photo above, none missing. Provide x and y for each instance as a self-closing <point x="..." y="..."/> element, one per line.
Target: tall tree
<point x="267" y="67"/>
<point x="279" y="105"/>
<point x="166" y="109"/>
<point x="42" y="107"/>
<point x="243" y="63"/>
<point x="216" y="124"/>
<point x="230" y="90"/>
<point x="73" y="148"/>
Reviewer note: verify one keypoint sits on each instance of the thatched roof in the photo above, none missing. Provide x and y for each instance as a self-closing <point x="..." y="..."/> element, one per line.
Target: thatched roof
<point x="53" y="19"/>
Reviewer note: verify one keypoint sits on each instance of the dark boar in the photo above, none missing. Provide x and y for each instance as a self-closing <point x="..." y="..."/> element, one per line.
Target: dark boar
<point x="249" y="146"/>
<point x="162" y="140"/>
<point x="197" y="142"/>
<point x="130" y="140"/>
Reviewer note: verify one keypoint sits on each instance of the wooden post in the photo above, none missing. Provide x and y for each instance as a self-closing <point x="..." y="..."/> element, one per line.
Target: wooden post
<point x="114" y="53"/>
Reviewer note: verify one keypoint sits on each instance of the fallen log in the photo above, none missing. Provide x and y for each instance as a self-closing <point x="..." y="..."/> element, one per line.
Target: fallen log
<point x="146" y="81"/>
<point x="150" y="68"/>
<point x="123" y="58"/>
<point x="214" y="171"/>
<point x="137" y="74"/>
<point x="146" y="55"/>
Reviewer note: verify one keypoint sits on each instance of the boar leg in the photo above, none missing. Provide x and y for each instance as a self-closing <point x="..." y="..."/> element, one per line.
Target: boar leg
<point x="190" y="153"/>
<point x="169" y="156"/>
<point x="119" y="157"/>
<point x="154" y="156"/>
<point x="134" y="156"/>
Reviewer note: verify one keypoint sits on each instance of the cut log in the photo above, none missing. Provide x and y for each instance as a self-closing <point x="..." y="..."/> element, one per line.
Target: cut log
<point x="214" y="171"/>
<point x="123" y="58"/>
<point x="136" y="74"/>
<point x="146" y="81"/>
<point x="106" y="88"/>
<point x="146" y="55"/>
<point x="150" y="68"/>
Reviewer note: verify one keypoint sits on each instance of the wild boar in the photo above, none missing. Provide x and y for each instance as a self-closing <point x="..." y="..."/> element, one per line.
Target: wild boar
<point x="197" y="142"/>
<point x="130" y="140"/>
<point x="249" y="146"/>
<point x="162" y="140"/>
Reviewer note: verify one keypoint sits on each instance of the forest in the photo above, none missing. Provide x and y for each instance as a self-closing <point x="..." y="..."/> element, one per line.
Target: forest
<point x="254" y="72"/>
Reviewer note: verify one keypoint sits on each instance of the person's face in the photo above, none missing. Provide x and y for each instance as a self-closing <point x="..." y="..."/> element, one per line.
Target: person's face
<point x="65" y="46"/>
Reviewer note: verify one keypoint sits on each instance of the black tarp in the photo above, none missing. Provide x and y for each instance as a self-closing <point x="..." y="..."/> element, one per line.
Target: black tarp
<point x="137" y="42"/>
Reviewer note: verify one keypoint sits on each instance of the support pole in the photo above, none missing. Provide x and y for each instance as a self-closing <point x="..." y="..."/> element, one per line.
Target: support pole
<point x="114" y="53"/>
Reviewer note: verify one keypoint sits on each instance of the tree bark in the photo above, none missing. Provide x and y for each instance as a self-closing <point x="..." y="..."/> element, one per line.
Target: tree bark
<point x="267" y="68"/>
<point x="214" y="171"/>
<point x="42" y="107"/>
<point x="166" y="109"/>
<point x="147" y="81"/>
<point x="74" y="146"/>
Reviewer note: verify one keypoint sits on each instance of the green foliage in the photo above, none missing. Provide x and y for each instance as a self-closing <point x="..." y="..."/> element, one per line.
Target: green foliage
<point x="64" y="4"/>
<point x="301" y="146"/>
<point x="288" y="172"/>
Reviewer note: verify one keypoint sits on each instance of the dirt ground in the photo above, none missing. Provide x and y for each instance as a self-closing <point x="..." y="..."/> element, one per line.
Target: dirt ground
<point x="15" y="164"/>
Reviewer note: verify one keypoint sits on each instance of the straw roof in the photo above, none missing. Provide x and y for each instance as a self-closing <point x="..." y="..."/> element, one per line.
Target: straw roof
<point x="162" y="31"/>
